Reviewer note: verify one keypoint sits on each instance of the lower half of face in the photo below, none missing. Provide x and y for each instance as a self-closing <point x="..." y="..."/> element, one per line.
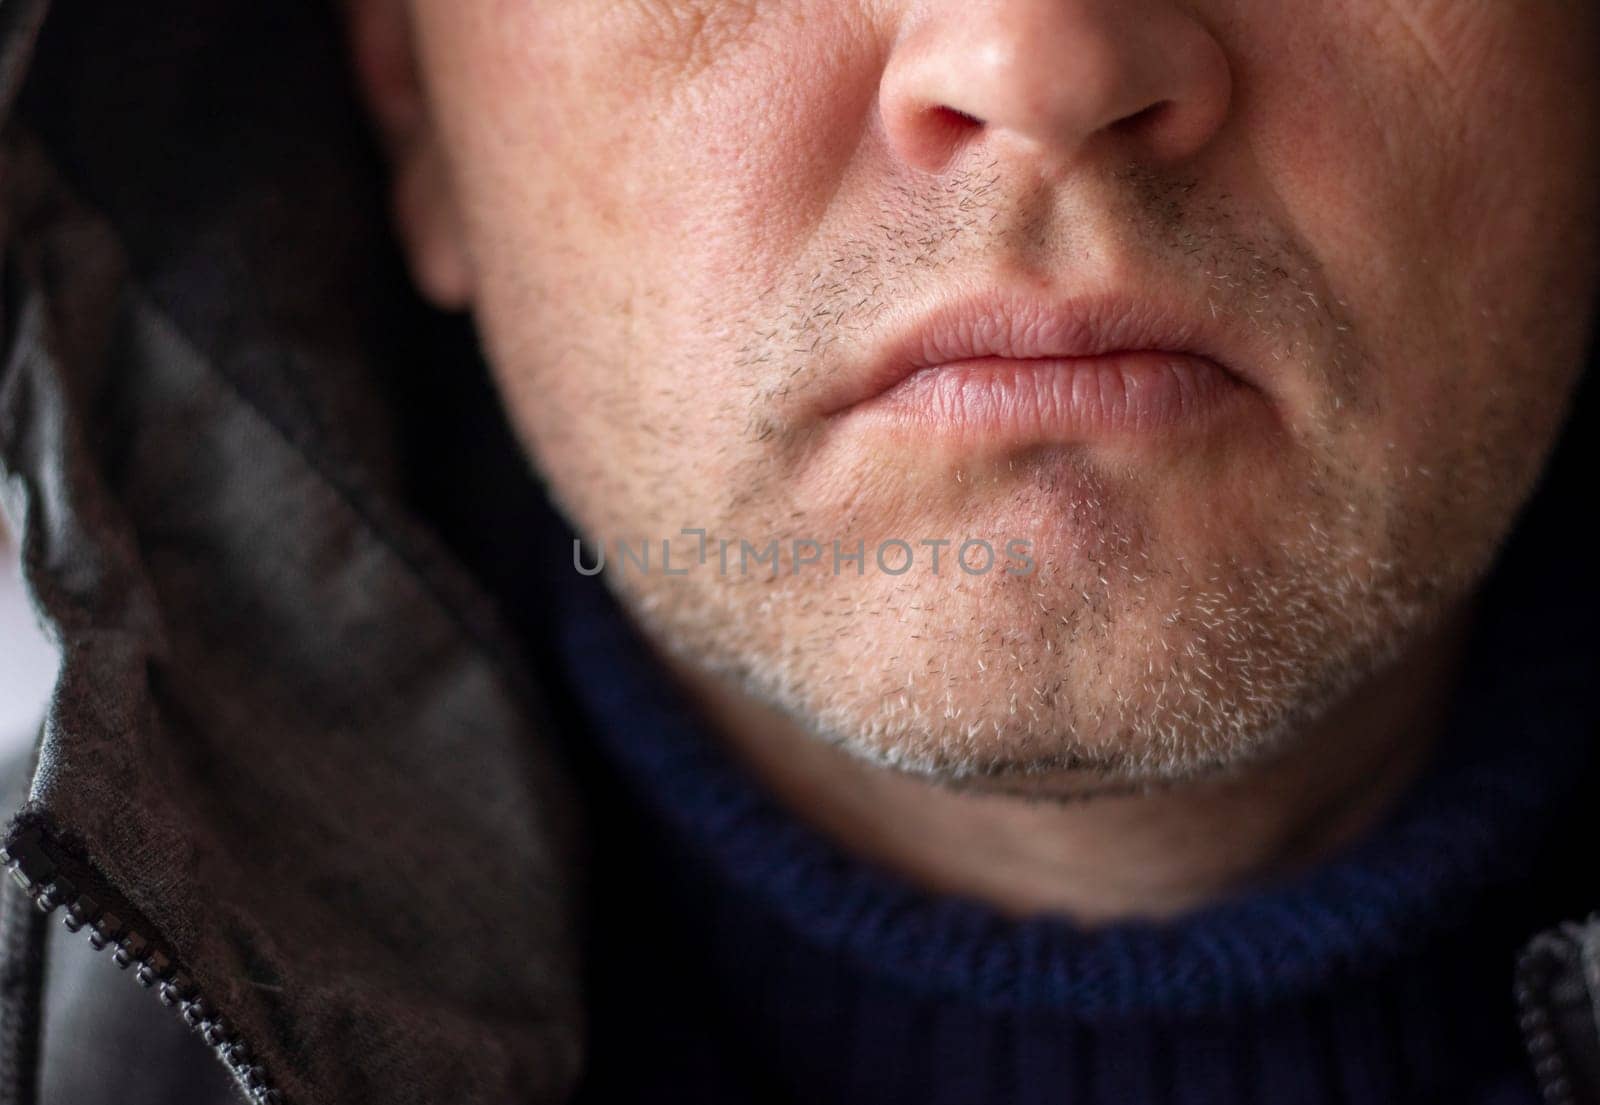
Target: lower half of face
<point x="688" y="279"/>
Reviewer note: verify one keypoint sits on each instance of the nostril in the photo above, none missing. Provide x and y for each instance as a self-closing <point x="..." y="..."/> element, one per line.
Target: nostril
<point x="956" y="118"/>
<point x="943" y="131"/>
<point x="949" y="124"/>
<point x="1146" y="120"/>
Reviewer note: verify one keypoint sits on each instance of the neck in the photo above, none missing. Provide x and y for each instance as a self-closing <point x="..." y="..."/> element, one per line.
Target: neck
<point x="1065" y="847"/>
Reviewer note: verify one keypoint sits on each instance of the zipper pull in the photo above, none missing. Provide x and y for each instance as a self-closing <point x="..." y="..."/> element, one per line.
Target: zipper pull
<point x="1558" y="993"/>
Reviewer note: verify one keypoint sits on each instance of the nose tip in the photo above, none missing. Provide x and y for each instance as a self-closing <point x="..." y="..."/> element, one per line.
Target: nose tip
<point x="1055" y="77"/>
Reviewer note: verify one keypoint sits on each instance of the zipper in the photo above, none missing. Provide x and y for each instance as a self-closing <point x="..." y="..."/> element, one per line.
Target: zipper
<point x="1558" y="1014"/>
<point x="54" y="878"/>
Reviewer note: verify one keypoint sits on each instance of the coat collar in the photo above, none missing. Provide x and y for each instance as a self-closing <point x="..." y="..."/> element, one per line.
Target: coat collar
<point x="293" y="767"/>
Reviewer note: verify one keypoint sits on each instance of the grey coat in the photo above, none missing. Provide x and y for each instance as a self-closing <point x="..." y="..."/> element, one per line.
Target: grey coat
<point x="293" y="772"/>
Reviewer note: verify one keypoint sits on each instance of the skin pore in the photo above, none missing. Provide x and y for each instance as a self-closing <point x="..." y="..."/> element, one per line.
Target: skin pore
<point x="686" y="227"/>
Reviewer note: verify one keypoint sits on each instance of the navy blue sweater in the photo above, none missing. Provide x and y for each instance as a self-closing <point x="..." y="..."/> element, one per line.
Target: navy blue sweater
<point x="736" y="955"/>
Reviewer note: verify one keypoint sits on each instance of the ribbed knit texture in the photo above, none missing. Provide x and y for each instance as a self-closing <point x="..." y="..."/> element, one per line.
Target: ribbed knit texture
<point x="738" y="956"/>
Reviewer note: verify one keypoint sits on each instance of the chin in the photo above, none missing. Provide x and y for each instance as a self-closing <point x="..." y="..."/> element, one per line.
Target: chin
<point x="1066" y="728"/>
<point x="1105" y="684"/>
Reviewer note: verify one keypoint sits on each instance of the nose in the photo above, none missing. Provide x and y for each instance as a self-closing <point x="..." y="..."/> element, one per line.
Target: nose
<point x="1054" y="78"/>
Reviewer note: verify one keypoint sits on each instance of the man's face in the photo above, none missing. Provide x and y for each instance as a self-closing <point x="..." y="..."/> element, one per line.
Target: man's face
<point x="699" y="235"/>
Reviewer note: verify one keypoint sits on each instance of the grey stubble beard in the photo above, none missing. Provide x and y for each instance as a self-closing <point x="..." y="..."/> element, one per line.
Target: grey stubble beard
<point x="1120" y="660"/>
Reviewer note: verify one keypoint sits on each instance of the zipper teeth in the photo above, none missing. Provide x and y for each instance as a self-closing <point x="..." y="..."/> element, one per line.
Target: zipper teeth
<point x="154" y="964"/>
<point x="1539" y="1033"/>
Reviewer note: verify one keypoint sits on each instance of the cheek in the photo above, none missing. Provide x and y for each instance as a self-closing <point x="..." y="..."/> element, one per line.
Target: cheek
<point x="635" y="177"/>
<point x="652" y="151"/>
<point x="632" y="186"/>
<point x="1467" y="285"/>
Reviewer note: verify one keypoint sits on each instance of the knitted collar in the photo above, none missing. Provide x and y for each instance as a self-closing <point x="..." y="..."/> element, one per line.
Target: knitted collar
<point x="1509" y="757"/>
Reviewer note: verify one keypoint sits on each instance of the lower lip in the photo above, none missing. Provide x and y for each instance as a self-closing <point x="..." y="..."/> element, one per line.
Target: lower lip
<point x="1048" y="399"/>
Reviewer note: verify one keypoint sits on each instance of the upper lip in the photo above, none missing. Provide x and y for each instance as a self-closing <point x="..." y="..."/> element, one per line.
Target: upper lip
<point x="1030" y="327"/>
